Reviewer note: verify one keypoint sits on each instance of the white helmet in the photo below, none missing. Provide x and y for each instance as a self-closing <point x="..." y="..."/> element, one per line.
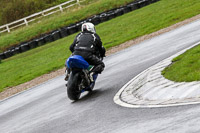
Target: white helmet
<point x="88" y="27"/>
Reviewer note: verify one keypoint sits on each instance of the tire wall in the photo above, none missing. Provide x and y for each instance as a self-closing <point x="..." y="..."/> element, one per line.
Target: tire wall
<point x="71" y="29"/>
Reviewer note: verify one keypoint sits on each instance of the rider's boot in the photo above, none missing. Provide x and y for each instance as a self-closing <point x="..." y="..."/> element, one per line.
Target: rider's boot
<point x="66" y="75"/>
<point x="91" y="77"/>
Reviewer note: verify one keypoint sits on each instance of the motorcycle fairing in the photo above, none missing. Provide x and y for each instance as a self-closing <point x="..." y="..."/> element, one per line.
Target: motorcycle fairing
<point x="77" y="61"/>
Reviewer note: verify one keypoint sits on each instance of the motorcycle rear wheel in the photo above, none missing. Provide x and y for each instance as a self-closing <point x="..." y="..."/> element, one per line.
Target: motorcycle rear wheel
<point x="73" y="85"/>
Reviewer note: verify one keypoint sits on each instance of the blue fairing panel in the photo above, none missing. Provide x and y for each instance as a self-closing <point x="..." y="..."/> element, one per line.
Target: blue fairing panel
<point x="77" y="61"/>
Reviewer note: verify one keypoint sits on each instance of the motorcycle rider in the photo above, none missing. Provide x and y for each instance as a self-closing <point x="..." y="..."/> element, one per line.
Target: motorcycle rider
<point x="88" y="45"/>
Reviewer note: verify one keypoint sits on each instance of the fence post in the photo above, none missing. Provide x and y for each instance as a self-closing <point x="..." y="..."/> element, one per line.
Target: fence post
<point x="61" y="9"/>
<point x="26" y="22"/>
<point x="78" y="2"/>
<point x="7" y="28"/>
<point x="43" y="13"/>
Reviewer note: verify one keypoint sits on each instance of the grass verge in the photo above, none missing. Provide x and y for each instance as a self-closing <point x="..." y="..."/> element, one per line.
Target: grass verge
<point x="185" y="68"/>
<point x="58" y="20"/>
<point x="26" y="66"/>
<point x="13" y="10"/>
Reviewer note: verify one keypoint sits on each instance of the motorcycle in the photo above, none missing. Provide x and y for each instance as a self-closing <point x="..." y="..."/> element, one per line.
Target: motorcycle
<point x="80" y="79"/>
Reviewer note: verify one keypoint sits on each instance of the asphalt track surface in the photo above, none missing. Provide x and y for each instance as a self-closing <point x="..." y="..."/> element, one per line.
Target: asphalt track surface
<point x="46" y="108"/>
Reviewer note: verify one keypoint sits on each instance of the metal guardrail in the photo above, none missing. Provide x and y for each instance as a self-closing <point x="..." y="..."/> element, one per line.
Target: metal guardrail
<point x="25" y="21"/>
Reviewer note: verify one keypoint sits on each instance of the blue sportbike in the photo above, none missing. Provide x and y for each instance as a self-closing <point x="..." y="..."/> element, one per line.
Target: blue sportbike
<point x="80" y="77"/>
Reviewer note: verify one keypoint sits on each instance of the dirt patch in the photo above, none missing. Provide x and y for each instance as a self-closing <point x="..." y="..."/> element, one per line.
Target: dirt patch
<point x="13" y="90"/>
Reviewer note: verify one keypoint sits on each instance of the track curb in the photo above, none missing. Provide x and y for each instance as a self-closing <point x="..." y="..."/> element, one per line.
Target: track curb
<point x="150" y="89"/>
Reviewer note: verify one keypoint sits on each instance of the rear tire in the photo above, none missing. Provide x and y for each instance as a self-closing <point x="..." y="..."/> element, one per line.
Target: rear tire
<point x="73" y="84"/>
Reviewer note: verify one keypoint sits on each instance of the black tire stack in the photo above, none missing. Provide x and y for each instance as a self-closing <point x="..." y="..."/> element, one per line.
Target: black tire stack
<point x="71" y="29"/>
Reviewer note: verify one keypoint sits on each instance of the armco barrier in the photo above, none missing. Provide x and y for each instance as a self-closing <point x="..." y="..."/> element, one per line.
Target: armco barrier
<point x="71" y="29"/>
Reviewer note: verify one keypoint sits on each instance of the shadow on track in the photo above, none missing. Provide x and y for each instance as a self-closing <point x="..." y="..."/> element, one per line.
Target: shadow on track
<point x="90" y="95"/>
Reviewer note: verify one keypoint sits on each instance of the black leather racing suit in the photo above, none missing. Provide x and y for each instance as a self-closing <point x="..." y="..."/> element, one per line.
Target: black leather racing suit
<point x="89" y="46"/>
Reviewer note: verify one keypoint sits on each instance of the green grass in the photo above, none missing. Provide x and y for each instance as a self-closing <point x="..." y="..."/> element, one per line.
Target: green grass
<point x="185" y="68"/>
<point x="58" y="20"/>
<point x="13" y="10"/>
<point x="26" y="66"/>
